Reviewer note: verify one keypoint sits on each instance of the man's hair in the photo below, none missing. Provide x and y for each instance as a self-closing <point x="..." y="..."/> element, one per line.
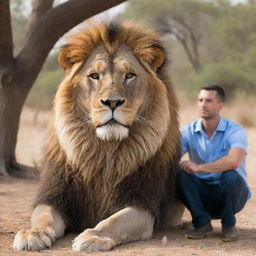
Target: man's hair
<point x="214" y="87"/>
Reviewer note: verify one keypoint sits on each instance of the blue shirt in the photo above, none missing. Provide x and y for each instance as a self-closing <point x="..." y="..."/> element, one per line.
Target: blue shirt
<point x="202" y="149"/>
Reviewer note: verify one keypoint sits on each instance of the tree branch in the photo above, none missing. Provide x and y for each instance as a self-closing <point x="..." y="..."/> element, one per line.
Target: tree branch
<point x="184" y="34"/>
<point x="6" y="43"/>
<point x="39" y="7"/>
<point x="50" y="27"/>
<point x="194" y="41"/>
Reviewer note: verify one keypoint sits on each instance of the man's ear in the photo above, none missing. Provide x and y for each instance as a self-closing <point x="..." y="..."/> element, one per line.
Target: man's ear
<point x="221" y="105"/>
<point x="159" y="58"/>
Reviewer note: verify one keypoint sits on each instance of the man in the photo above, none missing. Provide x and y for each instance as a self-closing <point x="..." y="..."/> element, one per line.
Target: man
<point x="212" y="183"/>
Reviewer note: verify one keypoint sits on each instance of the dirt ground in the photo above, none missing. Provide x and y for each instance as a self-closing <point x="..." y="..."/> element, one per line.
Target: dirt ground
<point x="16" y="196"/>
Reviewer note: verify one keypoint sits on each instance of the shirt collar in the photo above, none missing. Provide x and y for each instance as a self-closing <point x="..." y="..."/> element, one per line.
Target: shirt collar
<point x="198" y="126"/>
<point x="221" y="125"/>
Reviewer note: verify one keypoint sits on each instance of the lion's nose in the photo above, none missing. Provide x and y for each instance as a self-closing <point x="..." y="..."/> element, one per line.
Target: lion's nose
<point x="112" y="104"/>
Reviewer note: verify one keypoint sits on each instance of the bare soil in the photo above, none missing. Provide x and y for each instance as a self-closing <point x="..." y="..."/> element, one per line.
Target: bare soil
<point x="16" y="196"/>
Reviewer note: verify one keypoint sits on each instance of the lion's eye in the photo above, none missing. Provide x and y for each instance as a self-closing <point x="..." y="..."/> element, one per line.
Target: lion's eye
<point x="130" y="75"/>
<point x="94" y="76"/>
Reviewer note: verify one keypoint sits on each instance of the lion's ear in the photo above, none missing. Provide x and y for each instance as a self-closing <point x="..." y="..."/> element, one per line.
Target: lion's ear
<point x="64" y="58"/>
<point x="158" y="58"/>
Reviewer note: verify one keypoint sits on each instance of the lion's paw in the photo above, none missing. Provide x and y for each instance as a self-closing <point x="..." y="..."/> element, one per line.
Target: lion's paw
<point x="91" y="241"/>
<point x="35" y="239"/>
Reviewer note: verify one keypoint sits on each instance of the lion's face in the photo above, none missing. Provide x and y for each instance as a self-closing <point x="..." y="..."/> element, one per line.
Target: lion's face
<point x="114" y="91"/>
<point x="116" y="96"/>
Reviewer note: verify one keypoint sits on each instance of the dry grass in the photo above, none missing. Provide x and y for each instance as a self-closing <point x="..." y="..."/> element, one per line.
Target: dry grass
<point x="31" y="135"/>
<point x="240" y="110"/>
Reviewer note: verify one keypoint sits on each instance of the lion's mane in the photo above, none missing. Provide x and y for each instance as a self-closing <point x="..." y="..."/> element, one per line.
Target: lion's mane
<point x="87" y="179"/>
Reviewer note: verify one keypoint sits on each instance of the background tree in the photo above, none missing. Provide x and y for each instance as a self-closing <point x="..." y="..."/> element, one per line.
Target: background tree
<point x="185" y="20"/>
<point x="229" y="49"/>
<point x="218" y="38"/>
<point x="46" y="24"/>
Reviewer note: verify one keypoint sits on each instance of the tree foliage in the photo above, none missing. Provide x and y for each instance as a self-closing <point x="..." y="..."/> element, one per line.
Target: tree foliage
<point x="219" y="38"/>
<point x="185" y="20"/>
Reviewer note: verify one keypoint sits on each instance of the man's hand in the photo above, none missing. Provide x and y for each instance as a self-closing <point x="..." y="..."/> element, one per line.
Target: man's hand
<point x="229" y="162"/>
<point x="189" y="166"/>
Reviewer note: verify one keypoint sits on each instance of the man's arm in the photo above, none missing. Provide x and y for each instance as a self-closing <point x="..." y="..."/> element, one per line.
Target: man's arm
<point x="229" y="162"/>
<point x="183" y="141"/>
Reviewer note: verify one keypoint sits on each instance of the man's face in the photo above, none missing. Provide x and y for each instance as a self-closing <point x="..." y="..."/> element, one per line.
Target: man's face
<point x="209" y="105"/>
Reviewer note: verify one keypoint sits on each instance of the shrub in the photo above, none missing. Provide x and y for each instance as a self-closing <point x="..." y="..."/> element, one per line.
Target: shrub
<point x="229" y="75"/>
<point x="42" y="92"/>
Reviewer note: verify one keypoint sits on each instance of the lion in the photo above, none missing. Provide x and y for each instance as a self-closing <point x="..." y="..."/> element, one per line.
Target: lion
<point x="113" y="144"/>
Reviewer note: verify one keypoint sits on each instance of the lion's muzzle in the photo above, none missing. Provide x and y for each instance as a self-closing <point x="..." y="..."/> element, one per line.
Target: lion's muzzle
<point x="112" y="104"/>
<point x="112" y="132"/>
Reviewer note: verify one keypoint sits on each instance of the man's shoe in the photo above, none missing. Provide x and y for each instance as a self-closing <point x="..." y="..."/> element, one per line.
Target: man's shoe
<point x="229" y="234"/>
<point x="199" y="233"/>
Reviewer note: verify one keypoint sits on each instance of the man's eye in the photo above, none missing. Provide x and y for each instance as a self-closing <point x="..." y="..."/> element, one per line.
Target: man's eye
<point x="129" y="75"/>
<point x="95" y="76"/>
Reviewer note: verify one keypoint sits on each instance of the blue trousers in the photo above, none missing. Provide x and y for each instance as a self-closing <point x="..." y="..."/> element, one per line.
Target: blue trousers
<point x="212" y="201"/>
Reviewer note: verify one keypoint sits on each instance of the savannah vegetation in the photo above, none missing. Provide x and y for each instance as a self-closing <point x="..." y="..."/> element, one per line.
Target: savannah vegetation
<point x="210" y="41"/>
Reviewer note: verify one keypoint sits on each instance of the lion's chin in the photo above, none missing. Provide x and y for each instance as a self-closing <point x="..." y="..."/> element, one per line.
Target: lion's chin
<point x="112" y="132"/>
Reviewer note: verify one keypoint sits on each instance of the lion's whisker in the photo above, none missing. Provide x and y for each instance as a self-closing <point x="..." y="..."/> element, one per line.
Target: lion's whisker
<point x="86" y="119"/>
<point x="140" y="118"/>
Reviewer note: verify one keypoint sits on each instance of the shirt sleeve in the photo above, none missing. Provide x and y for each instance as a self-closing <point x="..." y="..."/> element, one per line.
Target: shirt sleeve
<point x="238" y="138"/>
<point x="184" y="141"/>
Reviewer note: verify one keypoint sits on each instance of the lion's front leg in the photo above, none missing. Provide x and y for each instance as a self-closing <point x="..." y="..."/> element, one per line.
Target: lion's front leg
<point x="127" y="225"/>
<point x="46" y="226"/>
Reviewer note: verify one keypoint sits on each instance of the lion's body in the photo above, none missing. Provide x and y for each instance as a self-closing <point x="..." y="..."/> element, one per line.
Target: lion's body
<point x="84" y="199"/>
<point x="92" y="169"/>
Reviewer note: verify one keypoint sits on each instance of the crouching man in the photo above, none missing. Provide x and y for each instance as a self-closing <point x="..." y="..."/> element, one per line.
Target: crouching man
<point x="212" y="183"/>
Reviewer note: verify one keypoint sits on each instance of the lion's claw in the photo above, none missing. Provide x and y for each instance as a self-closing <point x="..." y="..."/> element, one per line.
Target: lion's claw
<point x="89" y="242"/>
<point x="34" y="239"/>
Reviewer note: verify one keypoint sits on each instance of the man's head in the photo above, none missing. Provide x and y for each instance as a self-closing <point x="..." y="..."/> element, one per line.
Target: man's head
<point x="210" y="101"/>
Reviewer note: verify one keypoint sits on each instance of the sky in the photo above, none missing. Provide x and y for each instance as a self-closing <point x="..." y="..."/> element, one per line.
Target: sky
<point x="112" y="11"/>
<point x="238" y="1"/>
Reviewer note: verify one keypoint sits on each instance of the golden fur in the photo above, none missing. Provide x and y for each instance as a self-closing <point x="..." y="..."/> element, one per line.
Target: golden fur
<point x="114" y="136"/>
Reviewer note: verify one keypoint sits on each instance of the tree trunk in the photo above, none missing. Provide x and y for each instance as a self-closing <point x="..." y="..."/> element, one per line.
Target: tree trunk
<point x="18" y="75"/>
<point x="12" y="98"/>
<point x="185" y="36"/>
<point x="2" y="129"/>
